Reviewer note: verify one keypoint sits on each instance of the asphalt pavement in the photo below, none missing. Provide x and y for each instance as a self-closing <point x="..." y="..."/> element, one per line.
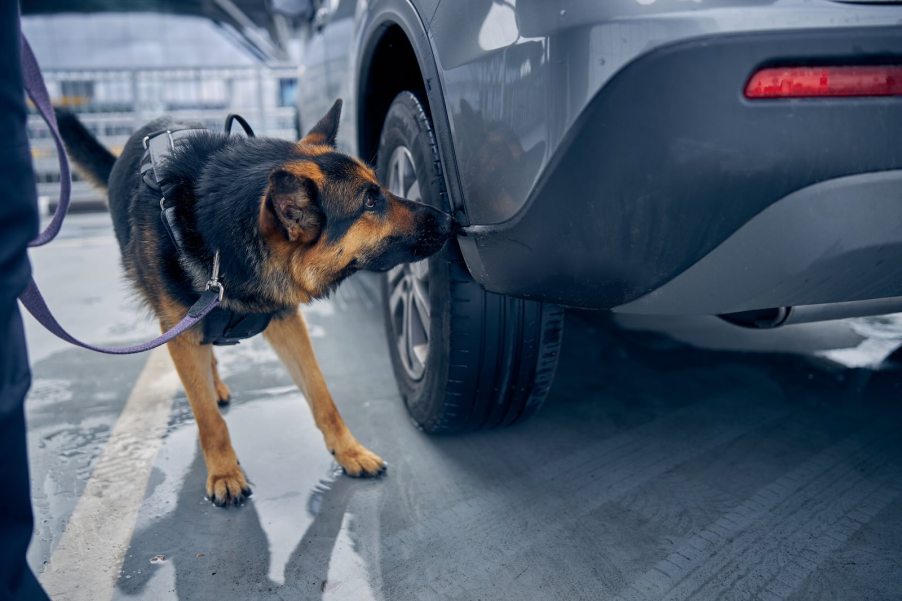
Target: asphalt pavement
<point x="674" y="459"/>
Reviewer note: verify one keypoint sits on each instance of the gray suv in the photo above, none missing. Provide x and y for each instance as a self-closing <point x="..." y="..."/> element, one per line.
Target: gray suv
<point x="740" y="158"/>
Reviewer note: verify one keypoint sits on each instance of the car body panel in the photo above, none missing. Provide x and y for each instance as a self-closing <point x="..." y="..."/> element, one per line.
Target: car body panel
<point x="849" y="230"/>
<point x="605" y="228"/>
<point x="516" y="75"/>
<point x="327" y="66"/>
<point x="337" y="45"/>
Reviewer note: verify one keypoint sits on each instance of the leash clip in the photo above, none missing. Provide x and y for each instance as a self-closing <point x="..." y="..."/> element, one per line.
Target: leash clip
<point x="213" y="283"/>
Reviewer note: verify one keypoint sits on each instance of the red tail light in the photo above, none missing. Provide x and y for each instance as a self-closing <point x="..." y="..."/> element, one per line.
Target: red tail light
<point x="811" y="82"/>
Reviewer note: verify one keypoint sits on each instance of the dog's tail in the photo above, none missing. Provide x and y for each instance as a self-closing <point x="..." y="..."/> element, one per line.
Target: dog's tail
<point x="91" y="158"/>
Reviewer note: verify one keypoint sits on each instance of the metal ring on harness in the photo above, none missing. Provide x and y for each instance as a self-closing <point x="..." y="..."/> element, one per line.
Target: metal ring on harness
<point x="213" y="283"/>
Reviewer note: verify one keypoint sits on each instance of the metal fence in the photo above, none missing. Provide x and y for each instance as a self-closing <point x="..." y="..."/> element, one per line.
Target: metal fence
<point x="113" y="103"/>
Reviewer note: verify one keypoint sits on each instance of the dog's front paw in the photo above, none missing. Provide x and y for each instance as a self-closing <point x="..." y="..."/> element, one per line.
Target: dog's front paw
<point x="358" y="461"/>
<point x="228" y="488"/>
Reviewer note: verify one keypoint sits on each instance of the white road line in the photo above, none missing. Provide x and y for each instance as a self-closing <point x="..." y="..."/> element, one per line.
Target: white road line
<point x="86" y="562"/>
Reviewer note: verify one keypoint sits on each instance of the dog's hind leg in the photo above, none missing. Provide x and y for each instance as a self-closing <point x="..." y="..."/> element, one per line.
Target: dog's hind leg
<point x="223" y="394"/>
<point x="289" y="337"/>
<point x="194" y="362"/>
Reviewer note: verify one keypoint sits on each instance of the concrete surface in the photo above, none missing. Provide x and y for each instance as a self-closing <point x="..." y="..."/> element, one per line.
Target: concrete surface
<point x="683" y="459"/>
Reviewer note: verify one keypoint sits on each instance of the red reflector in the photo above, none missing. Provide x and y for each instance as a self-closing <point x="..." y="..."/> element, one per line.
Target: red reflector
<point x="808" y="82"/>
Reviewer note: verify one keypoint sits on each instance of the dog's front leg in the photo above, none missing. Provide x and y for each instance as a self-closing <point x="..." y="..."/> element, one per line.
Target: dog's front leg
<point x="194" y="362"/>
<point x="289" y="337"/>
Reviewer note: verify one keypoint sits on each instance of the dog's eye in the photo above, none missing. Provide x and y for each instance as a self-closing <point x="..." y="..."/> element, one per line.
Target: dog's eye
<point x="370" y="201"/>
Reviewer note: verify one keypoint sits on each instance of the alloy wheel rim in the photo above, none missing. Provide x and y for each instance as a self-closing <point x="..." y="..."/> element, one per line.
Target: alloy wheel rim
<point x="408" y="284"/>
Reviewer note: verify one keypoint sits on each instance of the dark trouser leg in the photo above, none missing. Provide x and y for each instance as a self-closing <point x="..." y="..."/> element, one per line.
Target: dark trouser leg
<point x="18" y="225"/>
<point x="16" y="579"/>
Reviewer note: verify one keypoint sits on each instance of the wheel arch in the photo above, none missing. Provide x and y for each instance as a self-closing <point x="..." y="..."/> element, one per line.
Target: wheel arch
<point x="396" y="36"/>
<point x="390" y="66"/>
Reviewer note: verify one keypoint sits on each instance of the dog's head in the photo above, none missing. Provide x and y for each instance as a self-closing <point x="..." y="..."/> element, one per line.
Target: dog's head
<point x="325" y="216"/>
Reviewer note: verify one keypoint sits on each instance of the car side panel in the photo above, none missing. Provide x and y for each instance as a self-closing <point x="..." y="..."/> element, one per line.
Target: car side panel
<point x="325" y="62"/>
<point x="516" y="75"/>
<point x="334" y="61"/>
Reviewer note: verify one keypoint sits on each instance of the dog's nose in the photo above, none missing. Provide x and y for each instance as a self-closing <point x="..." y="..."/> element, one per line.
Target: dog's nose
<point x="445" y="224"/>
<point x="438" y="226"/>
<point x="433" y="223"/>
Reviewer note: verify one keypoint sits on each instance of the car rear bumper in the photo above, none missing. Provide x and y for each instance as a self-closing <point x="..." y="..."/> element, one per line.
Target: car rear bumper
<point x="673" y="194"/>
<point x="835" y="241"/>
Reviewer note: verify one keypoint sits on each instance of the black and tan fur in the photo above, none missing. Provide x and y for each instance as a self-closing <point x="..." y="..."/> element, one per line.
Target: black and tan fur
<point x="290" y="220"/>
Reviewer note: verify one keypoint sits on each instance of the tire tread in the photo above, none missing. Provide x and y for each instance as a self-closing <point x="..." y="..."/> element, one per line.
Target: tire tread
<point x="502" y="351"/>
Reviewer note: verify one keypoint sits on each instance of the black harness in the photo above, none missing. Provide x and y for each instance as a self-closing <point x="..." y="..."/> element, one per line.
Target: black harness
<point x="220" y="326"/>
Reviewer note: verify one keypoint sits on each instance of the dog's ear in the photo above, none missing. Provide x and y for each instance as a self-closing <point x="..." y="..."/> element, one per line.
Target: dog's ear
<point x="326" y="130"/>
<point x="293" y="201"/>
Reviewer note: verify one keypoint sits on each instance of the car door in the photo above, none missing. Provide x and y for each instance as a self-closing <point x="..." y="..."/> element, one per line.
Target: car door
<point x="326" y="61"/>
<point x="315" y="89"/>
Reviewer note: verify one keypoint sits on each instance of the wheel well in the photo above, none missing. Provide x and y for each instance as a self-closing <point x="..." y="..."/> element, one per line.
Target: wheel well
<point x="392" y="69"/>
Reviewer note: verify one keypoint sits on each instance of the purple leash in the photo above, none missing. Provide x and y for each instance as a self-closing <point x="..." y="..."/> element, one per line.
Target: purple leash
<point x="36" y="305"/>
<point x="37" y="91"/>
<point x="31" y="297"/>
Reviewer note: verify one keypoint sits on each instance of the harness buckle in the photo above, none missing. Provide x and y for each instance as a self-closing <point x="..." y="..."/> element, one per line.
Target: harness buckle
<point x="213" y="283"/>
<point x="217" y="287"/>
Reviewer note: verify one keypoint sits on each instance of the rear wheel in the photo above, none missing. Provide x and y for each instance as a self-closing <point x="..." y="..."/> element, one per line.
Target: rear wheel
<point x="464" y="358"/>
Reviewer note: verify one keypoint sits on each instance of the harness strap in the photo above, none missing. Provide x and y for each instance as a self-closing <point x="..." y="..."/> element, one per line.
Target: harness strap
<point x="31" y="297"/>
<point x="248" y="130"/>
<point x="158" y="146"/>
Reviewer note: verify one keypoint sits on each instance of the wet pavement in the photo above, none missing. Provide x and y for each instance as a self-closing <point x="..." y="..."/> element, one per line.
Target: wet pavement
<point x="674" y="460"/>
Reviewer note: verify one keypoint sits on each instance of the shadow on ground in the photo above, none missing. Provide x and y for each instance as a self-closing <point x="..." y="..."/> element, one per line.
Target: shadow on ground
<point x="656" y="470"/>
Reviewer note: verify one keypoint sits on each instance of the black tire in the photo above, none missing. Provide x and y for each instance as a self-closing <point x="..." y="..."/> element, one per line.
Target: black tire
<point x="490" y="359"/>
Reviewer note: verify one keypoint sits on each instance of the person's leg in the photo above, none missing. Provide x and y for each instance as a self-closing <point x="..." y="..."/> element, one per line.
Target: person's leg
<point x="18" y="225"/>
<point x="16" y="579"/>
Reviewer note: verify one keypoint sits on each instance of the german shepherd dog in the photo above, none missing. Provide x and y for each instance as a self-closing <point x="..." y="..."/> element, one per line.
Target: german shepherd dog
<point x="291" y="220"/>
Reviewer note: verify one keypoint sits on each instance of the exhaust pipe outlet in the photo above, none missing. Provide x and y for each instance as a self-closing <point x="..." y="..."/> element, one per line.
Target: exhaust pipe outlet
<point x="763" y="319"/>
<point x="759" y="319"/>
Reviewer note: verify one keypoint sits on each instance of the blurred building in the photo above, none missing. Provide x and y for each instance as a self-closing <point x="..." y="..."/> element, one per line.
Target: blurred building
<point x="120" y="70"/>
